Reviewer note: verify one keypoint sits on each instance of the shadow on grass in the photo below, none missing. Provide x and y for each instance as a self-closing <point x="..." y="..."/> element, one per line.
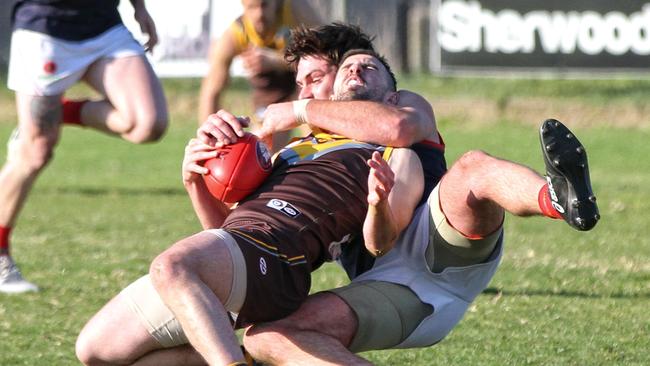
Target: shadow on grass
<point x="563" y="293"/>
<point x="120" y="191"/>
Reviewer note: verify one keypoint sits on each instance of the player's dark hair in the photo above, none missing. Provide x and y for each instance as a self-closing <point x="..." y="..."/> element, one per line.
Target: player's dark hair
<point x="330" y="41"/>
<point x="374" y="54"/>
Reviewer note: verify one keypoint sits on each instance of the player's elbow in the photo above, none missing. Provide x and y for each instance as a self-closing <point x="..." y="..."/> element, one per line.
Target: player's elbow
<point x="381" y="250"/>
<point x="405" y="132"/>
<point x="379" y="241"/>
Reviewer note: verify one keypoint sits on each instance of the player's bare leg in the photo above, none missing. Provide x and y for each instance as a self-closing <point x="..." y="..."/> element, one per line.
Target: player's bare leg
<point x="135" y="106"/>
<point x="38" y="133"/>
<point x="30" y="151"/>
<point x="194" y="279"/>
<point x="318" y="333"/>
<point x="478" y="188"/>
<point x="115" y="335"/>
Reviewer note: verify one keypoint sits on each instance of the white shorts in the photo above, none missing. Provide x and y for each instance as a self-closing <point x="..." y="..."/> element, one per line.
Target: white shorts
<point x="43" y="65"/>
<point x="391" y="306"/>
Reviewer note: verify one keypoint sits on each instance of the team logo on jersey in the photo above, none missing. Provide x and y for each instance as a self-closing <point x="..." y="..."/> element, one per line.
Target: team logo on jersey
<point x="284" y="207"/>
<point x="263" y="267"/>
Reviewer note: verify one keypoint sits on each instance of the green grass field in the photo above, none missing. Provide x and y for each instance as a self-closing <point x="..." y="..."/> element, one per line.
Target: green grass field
<point x="104" y="208"/>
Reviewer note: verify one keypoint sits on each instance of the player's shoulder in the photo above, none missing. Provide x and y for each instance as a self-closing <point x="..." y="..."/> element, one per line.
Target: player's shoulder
<point x="236" y="33"/>
<point x="410" y="96"/>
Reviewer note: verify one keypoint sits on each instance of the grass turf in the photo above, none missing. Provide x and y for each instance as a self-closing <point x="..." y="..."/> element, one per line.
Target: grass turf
<point x="104" y="208"/>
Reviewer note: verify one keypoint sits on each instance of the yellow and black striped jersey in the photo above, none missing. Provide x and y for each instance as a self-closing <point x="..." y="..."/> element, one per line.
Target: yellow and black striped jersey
<point x="245" y="34"/>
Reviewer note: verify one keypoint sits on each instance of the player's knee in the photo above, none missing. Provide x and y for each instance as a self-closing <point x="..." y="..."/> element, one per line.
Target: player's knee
<point x="43" y="151"/>
<point x="85" y="350"/>
<point x="83" y="353"/>
<point x="168" y="269"/>
<point x="460" y="176"/>
<point x="473" y="160"/>
<point x="36" y="153"/>
<point x="469" y="165"/>
<point x="149" y="127"/>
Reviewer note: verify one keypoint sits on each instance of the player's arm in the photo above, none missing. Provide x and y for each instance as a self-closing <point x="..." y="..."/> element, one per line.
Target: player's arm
<point x="409" y="120"/>
<point x="222" y="51"/>
<point x="147" y="25"/>
<point x="257" y="60"/>
<point x="402" y="124"/>
<point x="394" y="190"/>
<point x="210" y="211"/>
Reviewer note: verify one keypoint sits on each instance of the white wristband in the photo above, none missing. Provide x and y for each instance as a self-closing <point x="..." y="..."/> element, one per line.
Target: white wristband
<point x="300" y="110"/>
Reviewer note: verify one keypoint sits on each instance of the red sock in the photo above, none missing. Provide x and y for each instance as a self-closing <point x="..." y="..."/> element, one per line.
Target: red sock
<point x="4" y="239"/>
<point x="72" y="111"/>
<point x="544" y="200"/>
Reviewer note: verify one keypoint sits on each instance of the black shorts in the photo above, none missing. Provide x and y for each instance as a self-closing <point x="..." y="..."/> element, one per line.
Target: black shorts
<point x="276" y="283"/>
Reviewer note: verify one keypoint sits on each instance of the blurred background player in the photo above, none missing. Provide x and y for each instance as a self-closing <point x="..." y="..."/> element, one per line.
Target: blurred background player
<point x="258" y="37"/>
<point x="56" y="43"/>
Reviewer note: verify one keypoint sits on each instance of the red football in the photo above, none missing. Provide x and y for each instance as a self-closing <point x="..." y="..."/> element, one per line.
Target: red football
<point x="238" y="169"/>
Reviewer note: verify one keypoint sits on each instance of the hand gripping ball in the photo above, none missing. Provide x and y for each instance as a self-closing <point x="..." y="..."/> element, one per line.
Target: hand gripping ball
<point x="238" y="169"/>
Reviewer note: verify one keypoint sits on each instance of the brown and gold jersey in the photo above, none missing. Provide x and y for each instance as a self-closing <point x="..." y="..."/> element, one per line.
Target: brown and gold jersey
<point x="314" y="202"/>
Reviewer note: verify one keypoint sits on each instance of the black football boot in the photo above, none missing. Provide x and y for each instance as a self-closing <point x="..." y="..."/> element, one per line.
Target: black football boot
<point x="567" y="174"/>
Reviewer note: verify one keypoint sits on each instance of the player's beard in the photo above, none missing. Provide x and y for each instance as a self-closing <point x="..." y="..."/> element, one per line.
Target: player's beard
<point x="360" y="94"/>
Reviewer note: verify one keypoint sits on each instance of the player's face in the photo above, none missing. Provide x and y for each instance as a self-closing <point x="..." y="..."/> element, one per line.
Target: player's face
<point x="361" y="77"/>
<point x="261" y="13"/>
<point x="315" y="78"/>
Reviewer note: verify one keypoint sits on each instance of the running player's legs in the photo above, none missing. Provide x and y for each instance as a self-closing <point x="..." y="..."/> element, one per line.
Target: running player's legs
<point x="32" y="148"/>
<point x="39" y="73"/>
<point x="135" y="106"/>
